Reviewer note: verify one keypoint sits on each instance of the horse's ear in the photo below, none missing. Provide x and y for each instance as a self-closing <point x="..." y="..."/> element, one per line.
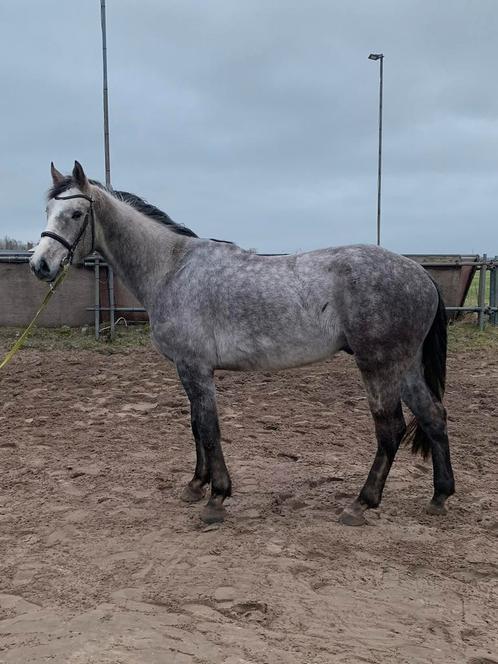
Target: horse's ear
<point x="79" y="175"/>
<point x="56" y="175"/>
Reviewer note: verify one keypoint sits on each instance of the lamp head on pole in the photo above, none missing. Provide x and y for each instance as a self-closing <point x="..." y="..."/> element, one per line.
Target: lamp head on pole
<point x="376" y="56"/>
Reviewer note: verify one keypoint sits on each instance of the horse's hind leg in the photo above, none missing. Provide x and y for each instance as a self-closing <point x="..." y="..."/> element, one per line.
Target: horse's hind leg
<point x="383" y="389"/>
<point x="432" y="435"/>
<point x="199" y="386"/>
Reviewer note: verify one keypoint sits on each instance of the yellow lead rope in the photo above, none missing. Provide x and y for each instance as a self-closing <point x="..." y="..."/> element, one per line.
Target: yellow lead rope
<point x="20" y="342"/>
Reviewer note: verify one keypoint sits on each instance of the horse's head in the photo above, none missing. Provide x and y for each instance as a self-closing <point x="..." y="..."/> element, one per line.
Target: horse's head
<point x="69" y="234"/>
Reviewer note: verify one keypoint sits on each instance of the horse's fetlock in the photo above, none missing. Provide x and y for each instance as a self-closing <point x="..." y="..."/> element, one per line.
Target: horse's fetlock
<point x="445" y="487"/>
<point x="222" y="488"/>
<point x="202" y="477"/>
<point x="370" y="498"/>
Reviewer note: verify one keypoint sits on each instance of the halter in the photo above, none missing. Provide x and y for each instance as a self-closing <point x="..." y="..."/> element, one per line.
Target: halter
<point x="89" y="217"/>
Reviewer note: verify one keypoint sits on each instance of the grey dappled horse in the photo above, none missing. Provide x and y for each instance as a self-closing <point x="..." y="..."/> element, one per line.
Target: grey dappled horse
<point x="215" y="306"/>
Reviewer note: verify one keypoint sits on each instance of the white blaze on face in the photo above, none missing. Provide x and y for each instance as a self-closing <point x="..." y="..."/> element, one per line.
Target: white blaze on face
<point x="64" y="218"/>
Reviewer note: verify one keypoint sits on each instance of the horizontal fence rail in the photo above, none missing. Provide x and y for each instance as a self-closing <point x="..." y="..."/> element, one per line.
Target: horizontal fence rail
<point x="454" y="269"/>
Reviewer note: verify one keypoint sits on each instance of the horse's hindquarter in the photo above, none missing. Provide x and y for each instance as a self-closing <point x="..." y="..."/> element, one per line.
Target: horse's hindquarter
<point x="387" y="301"/>
<point x="240" y="310"/>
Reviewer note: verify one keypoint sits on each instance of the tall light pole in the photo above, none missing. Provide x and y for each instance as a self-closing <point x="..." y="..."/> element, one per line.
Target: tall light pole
<point x="105" y="96"/>
<point x="379" y="56"/>
<point x="107" y="155"/>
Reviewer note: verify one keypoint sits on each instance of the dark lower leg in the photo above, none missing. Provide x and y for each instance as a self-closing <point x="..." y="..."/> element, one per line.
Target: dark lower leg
<point x="431" y="418"/>
<point x="221" y="485"/>
<point x="390" y="428"/>
<point x="196" y="488"/>
<point x="211" y="466"/>
<point x="444" y="483"/>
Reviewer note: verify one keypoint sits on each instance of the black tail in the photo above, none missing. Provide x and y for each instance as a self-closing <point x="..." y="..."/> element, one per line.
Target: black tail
<point x="434" y="366"/>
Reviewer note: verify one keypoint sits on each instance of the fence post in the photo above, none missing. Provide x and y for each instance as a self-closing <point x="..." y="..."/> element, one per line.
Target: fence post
<point x="112" y="304"/>
<point x="481" y="303"/>
<point x="97" y="297"/>
<point x="493" y="299"/>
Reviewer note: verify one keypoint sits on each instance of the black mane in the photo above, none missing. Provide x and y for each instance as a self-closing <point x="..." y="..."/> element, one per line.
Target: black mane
<point x="153" y="212"/>
<point x="135" y="201"/>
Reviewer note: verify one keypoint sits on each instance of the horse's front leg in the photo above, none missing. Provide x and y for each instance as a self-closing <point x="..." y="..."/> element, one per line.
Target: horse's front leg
<point x="196" y="488"/>
<point x="199" y="386"/>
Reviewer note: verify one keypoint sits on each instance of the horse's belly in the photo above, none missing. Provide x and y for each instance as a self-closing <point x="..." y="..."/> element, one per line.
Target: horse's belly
<point x="271" y="354"/>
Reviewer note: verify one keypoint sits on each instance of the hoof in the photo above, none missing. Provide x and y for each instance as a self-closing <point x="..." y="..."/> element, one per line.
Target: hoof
<point x="213" y="514"/>
<point x="192" y="494"/>
<point x="349" y="517"/>
<point x="435" y="509"/>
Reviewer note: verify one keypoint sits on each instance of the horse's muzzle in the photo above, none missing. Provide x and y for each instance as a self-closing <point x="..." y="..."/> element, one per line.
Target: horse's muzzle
<point x="41" y="269"/>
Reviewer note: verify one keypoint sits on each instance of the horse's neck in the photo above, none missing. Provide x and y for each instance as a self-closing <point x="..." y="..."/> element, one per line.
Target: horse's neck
<point x="141" y="250"/>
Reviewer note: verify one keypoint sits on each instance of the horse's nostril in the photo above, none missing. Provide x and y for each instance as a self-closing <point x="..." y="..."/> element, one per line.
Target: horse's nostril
<point x="43" y="268"/>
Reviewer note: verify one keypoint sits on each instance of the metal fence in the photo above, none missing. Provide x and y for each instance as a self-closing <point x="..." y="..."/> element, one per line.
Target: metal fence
<point x="110" y="310"/>
<point x="482" y="268"/>
<point x="487" y="300"/>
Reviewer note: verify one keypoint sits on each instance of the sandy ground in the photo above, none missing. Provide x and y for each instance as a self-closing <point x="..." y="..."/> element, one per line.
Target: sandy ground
<point x="101" y="563"/>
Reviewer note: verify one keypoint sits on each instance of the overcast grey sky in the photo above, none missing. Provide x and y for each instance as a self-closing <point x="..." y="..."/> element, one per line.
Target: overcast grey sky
<point x="256" y="120"/>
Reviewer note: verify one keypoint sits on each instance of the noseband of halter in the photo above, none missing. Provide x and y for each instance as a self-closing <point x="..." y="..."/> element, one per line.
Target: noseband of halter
<point x="89" y="219"/>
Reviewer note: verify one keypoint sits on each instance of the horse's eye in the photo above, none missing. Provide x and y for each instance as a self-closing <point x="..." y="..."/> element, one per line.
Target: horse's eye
<point x="76" y="214"/>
